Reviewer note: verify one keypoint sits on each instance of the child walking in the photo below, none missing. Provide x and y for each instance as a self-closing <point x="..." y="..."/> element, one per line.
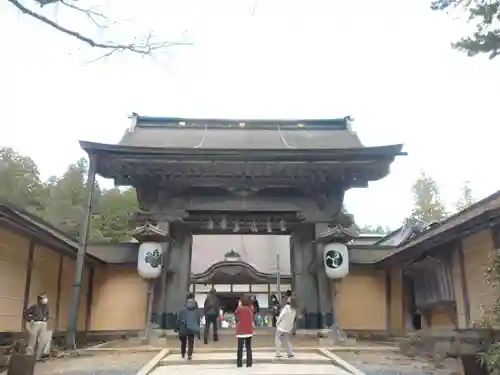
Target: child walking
<point x="284" y="327"/>
<point x="188" y="325"/>
<point x="244" y="330"/>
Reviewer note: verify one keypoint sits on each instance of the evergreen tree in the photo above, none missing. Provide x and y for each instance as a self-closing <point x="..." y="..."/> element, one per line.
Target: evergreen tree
<point x="61" y="201"/>
<point x="485" y="16"/>
<point x="466" y="197"/>
<point x="378" y="229"/>
<point x="427" y="204"/>
<point x="20" y="182"/>
<point x="65" y="207"/>
<point x="114" y="212"/>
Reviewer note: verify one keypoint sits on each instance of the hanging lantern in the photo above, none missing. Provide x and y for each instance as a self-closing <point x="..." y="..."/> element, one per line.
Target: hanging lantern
<point x="154" y="242"/>
<point x="150" y="260"/>
<point x="336" y="260"/>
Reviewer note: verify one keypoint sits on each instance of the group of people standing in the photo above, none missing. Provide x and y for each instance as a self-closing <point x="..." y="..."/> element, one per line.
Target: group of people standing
<point x="189" y="324"/>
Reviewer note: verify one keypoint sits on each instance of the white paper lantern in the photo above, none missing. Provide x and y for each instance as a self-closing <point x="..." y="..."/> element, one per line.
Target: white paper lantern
<point x="336" y="260"/>
<point x="150" y="260"/>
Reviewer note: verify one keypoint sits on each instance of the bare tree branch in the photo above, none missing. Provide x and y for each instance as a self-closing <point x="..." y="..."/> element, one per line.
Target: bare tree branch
<point x="89" y="13"/>
<point x="147" y="47"/>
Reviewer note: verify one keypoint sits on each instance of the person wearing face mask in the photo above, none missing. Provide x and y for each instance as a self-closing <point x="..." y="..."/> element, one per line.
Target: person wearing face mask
<point x="37" y="317"/>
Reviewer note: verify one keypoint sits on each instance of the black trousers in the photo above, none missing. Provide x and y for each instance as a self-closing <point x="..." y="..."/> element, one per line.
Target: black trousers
<point x="274" y="319"/>
<point x="189" y="340"/>
<point x="247" y="343"/>
<point x="210" y="320"/>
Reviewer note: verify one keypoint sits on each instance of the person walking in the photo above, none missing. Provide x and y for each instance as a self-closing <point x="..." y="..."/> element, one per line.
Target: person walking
<point x="275" y="309"/>
<point x="36" y="317"/>
<point x="256" y="311"/>
<point x="244" y="330"/>
<point x="284" y="327"/>
<point x="188" y="325"/>
<point x="211" y="310"/>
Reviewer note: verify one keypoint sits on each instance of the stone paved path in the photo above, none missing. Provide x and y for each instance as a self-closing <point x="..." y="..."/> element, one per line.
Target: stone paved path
<point x="102" y="364"/>
<point x="397" y="364"/>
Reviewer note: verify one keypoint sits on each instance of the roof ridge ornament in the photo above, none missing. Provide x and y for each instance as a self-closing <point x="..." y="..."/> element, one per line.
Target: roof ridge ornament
<point x="134" y="117"/>
<point x="336" y="233"/>
<point x="232" y="256"/>
<point x="150" y="233"/>
<point x="349" y="120"/>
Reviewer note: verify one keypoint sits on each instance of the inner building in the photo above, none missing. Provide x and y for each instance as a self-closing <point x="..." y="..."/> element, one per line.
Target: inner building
<point x="237" y="264"/>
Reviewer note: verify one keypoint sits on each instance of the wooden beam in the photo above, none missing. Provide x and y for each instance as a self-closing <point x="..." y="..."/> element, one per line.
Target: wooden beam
<point x="463" y="283"/>
<point x="29" y="271"/>
<point x="59" y="290"/>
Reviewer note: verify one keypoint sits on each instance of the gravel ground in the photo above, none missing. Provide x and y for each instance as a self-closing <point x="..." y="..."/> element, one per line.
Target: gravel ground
<point x="101" y="364"/>
<point x="396" y="364"/>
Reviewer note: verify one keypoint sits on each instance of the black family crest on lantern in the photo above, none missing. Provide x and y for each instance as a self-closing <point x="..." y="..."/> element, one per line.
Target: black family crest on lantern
<point x="154" y="258"/>
<point x="333" y="259"/>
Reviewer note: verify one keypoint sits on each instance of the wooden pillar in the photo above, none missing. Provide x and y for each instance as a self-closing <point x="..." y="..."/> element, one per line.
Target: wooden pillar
<point x="160" y="308"/>
<point x="463" y="282"/>
<point x="31" y="255"/>
<point x="29" y="271"/>
<point x="305" y="281"/>
<point x="59" y="289"/>
<point x="80" y="257"/>
<point x="90" y="299"/>
<point x="323" y="283"/>
<point x="388" y="300"/>
<point x="178" y="283"/>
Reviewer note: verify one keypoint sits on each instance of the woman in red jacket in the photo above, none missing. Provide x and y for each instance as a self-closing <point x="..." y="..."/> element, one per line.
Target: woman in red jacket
<point x="244" y="330"/>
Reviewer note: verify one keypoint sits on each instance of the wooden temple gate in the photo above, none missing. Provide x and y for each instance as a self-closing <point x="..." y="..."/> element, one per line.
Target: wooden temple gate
<point x="198" y="176"/>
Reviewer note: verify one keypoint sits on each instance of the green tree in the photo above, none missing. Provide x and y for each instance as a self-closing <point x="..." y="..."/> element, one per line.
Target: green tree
<point x="466" y="197"/>
<point x="485" y="16"/>
<point x="20" y="182"/>
<point x="114" y="213"/>
<point x="378" y="229"/>
<point x="427" y="203"/>
<point x="65" y="205"/>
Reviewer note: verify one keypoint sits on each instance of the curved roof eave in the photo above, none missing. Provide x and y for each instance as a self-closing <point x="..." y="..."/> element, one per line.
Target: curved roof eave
<point x="225" y="263"/>
<point x="93" y="148"/>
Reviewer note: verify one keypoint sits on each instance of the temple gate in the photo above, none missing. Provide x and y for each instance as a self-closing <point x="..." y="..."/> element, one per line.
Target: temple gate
<point x="206" y="176"/>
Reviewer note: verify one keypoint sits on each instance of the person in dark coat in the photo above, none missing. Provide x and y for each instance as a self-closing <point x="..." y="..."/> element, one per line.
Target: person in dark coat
<point x="256" y="310"/>
<point x="211" y="310"/>
<point x="188" y="325"/>
<point x="275" y="309"/>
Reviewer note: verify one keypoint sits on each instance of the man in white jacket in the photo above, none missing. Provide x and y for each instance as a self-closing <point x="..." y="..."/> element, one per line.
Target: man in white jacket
<point x="284" y="327"/>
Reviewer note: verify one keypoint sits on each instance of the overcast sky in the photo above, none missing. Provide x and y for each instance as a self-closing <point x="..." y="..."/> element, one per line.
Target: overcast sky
<point x="387" y="63"/>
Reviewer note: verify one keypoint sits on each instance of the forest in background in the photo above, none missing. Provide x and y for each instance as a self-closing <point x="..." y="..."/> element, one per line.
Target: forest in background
<point x="61" y="200"/>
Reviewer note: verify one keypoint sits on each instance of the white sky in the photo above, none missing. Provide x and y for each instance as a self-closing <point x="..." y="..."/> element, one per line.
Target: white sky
<point x="387" y="62"/>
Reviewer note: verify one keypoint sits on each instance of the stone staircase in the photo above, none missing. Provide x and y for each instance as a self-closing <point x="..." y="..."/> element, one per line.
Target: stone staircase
<point x="223" y="361"/>
<point x="263" y="338"/>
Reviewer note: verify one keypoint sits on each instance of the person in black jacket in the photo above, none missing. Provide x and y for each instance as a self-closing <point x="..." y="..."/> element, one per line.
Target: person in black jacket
<point x="256" y="310"/>
<point x="275" y="309"/>
<point x="36" y="317"/>
<point x="211" y="310"/>
<point x="188" y="325"/>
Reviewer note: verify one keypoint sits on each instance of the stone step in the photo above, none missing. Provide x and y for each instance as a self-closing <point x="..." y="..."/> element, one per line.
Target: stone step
<point x="259" y="357"/>
<point x="257" y="341"/>
<point x="260" y="369"/>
